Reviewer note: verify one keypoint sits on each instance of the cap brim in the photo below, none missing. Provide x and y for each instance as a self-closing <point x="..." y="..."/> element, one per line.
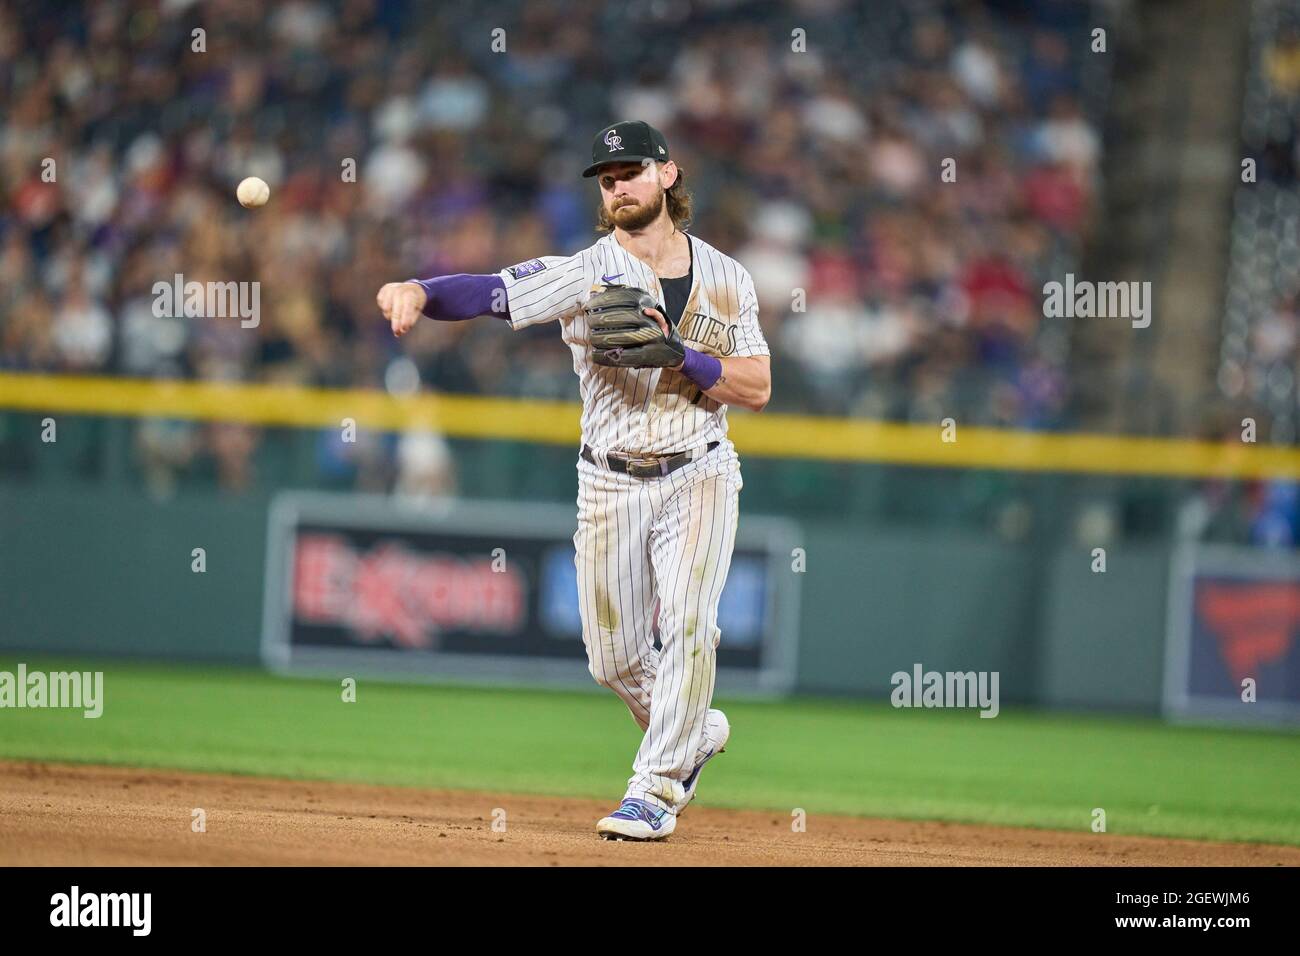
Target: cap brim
<point x="595" y="167"/>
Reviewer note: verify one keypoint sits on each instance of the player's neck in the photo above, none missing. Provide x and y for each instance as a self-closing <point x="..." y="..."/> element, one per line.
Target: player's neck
<point x="657" y="245"/>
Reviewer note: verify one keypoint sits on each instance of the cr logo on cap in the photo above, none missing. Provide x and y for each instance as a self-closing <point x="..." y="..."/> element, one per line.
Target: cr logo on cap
<point x="613" y="140"/>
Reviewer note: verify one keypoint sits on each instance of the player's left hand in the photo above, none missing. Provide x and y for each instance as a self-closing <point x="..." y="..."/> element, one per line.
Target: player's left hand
<point x="663" y="327"/>
<point x="658" y="317"/>
<point x="629" y="330"/>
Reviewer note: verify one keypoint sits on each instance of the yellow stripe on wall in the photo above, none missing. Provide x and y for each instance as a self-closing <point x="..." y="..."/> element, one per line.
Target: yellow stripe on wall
<point x="455" y="415"/>
<point x="847" y="439"/>
<point x="556" y="423"/>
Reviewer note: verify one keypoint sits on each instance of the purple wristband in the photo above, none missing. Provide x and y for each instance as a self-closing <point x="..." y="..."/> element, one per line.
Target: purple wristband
<point x="456" y="297"/>
<point x="701" y="368"/>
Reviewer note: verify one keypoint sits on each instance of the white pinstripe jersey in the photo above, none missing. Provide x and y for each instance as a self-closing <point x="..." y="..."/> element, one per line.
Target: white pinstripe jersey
<point x="641" y="411"/>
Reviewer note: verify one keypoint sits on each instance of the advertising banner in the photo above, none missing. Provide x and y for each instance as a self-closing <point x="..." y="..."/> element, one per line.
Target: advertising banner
<point x="484" y="590"/>
<point x="1234" y="635"/>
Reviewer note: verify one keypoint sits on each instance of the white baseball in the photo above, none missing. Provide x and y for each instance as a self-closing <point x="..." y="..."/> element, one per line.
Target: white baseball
<point x="253" y="192"/>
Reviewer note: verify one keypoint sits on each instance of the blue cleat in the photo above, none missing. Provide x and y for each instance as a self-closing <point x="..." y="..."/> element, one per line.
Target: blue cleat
<point x="637" y="820"/>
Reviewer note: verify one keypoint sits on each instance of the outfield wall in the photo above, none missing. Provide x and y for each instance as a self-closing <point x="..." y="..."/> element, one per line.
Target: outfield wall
<point x="964" y="551"/>
<point x="109" y="573"/>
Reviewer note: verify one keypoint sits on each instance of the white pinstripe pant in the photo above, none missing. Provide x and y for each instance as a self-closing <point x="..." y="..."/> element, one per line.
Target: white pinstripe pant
<point x="665" y="542"/>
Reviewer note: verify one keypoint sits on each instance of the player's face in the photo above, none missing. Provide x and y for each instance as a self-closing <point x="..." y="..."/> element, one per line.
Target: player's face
<point x="633" y="193"/>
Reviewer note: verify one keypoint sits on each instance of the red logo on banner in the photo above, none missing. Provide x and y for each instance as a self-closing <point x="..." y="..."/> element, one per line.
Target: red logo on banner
<point x="1254" y="623"/>
<point x="392" y="591"/>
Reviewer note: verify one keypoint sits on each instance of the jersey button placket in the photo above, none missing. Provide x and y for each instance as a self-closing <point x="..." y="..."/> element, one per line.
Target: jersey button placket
<point x="649" y="415"/>
<point x="648" y="409"/>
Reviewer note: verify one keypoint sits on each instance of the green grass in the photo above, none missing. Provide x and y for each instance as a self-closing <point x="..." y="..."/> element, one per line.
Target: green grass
<point x="1022" y="768"/>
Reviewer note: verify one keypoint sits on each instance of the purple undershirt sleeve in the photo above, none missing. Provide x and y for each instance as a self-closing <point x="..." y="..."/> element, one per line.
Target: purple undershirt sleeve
<point x="456" y="297"/>
<point x="701" y="368"/>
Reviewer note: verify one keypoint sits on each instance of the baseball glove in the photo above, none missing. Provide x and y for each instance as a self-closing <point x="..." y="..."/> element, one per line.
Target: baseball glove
<point x="623" y="336"/>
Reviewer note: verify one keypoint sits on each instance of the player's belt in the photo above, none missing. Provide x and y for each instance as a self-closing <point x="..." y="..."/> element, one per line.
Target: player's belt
<point x="644" y="467"/>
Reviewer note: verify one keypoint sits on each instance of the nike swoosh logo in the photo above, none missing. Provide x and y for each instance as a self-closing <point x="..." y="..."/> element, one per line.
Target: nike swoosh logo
<point x="696" y="772"/>
<point x="611" y="278"/>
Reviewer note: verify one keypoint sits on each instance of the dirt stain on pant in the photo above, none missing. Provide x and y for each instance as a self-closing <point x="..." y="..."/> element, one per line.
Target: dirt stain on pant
<point x="606" y="615"/>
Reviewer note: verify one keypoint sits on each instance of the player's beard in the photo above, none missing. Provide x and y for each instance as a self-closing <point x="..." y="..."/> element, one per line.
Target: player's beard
<point x="636" y="218"/>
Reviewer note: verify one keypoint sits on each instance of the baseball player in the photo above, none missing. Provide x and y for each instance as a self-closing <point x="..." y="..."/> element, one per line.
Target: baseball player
<point x="664" y="334"/>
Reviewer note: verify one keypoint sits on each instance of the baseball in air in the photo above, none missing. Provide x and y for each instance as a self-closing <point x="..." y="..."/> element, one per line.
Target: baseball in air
<point x="253" y="192"/>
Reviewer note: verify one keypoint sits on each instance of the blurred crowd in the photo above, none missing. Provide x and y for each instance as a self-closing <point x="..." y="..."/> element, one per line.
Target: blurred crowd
<point x="408" y="139"/>
<point x="1259" y="355"/>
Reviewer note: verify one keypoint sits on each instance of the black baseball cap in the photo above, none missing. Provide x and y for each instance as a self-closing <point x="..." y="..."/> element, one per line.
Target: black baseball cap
<point x="630" y="141"/>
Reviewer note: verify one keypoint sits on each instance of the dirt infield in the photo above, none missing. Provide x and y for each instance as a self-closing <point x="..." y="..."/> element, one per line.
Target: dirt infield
<point x="83" y="815"/>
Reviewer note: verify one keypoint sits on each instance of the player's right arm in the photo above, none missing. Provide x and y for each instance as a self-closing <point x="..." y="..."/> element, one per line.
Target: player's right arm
<point x="549" y="288"/>
<point x="447" y="298"/>
<point x="539" y="290"/>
